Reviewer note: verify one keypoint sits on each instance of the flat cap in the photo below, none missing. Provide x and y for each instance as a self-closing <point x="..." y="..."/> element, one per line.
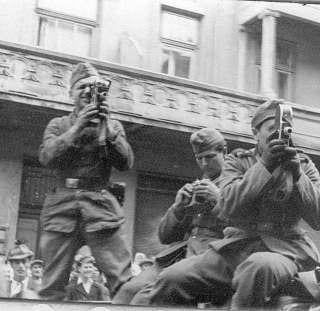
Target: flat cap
<point x="266" y="111"/>
<point x="37" y="262"/>
<point x="82" y="71"/>
<point x="202" y="141"/>
<point x="20" y="251"/>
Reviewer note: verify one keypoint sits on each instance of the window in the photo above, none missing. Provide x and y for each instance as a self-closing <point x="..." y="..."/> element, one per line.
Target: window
<point x="179" y="28"/>
<point x="284" y="68"/>
<point x="36" y="182"/>
<point x="180" y="37"/>
<point x="67" y="27"/>
<point x="176" y="63"/>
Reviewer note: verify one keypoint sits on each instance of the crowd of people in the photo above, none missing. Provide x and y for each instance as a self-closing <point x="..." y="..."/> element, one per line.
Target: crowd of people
<point x="234" y="237"/>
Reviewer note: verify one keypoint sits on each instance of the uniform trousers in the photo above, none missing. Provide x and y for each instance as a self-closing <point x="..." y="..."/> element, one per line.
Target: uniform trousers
<point x="131" y="288"/>
<point x="59" y="248"/>
<point x="246" y="271"/>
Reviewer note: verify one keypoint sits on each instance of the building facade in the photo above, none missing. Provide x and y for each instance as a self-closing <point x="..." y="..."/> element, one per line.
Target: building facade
<point x="175" y="66"/>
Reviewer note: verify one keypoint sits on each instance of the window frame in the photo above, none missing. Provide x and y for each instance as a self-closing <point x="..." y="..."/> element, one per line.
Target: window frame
<point x="180" y="46"/>
<point x="289" y="70"/>
<point x="173" y="67"/>
<point x="75" y="20"/>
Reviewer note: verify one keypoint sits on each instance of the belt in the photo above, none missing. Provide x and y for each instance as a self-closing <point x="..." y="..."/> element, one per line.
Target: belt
<point x="85" y="183"/>
<point x="268" y="227"/>
<point x="197" y="231"/>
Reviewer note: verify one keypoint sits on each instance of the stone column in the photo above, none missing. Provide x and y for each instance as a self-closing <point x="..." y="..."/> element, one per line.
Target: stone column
<point x="242" y="57"/>
<point x="268" y="52"/>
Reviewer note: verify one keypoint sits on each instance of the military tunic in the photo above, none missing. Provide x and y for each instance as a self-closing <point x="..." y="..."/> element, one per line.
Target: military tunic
<point x="186" y="237"/>
<point x="263" y="246"/>
<point x="89" y="214"/>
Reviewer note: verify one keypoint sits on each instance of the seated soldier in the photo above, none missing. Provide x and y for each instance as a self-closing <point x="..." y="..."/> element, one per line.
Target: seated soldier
<point x="265" y="192"/>
<point x="189" y="224"/>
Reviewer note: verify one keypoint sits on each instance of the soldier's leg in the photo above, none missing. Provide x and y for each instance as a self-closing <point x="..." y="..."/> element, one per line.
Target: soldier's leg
<point x="202" y="278"/>
<point x="259" y="277"/>
<point x="128" y="290"/>
<point x="57" y="250"/>
<point x="112" y="256"/>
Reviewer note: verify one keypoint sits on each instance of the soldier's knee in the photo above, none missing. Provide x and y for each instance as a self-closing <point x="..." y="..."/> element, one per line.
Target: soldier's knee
<point x="256" y="266"/>
<point x="261" y="260"/>
<point x="172" y="275"/>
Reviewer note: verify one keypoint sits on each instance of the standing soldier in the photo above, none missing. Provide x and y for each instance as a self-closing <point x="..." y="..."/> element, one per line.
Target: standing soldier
<point x="189" y="224"/>
<point x="264" y="247"/>
<point x="83" y="147"/>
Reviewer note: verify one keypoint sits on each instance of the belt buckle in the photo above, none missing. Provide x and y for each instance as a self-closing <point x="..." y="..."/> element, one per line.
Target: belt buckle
<point x="72" y="183"/>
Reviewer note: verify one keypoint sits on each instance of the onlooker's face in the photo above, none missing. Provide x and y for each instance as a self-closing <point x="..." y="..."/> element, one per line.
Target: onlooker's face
<point x="37" y="270"/>
<point x="80" y="91"/>
<point x="262" y="134"/>
<point x="86" y="270"/>
<point x="20" y="268"/>
<point x="211" y="164"/>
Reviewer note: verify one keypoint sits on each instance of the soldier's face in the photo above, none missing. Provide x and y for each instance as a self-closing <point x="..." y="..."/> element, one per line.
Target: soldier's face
<point x="211" y="163"/>
<point x="80" y="92"/>
<point x="262" y="134"/>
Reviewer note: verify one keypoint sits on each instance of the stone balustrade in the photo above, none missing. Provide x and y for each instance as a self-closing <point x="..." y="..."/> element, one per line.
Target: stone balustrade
<point x="38" y="77"/>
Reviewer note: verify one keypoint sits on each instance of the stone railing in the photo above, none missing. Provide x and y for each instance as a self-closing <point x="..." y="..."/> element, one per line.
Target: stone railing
<point x="38" y="77"/>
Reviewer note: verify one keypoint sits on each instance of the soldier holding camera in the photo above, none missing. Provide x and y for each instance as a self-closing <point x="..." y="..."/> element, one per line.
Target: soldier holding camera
<point x="83" y="147"/>
<point x="191" y="223"/>
<point x="264" y="245"/>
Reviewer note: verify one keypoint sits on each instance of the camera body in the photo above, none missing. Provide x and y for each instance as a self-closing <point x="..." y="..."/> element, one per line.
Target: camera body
<point x="99" y="91"/>
<point x="196" y="199"/>
<point x="283" y="121"/>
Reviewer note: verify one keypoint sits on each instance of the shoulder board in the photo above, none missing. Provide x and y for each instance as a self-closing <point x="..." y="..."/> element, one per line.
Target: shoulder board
<point x="241" y="153"/>
<point x="303" y="157"/>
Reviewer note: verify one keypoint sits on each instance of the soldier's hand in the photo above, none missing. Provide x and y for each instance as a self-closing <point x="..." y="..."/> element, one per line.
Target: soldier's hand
<point x="292" y="162"/>
<point x="182" y="200"/>
<point x="104" y="110"/>
<point x="207" y="190"/>
<point x="184" y="195"/>
<point x="85" y="115"/>
<point x="273" y="153"/>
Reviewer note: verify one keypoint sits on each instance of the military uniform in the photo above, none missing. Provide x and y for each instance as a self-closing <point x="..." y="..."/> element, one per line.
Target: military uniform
<point x="81" y="210"/>
<point x="187" y="233"/>
<point x="186" y="237"/>
<point x="264" y="246"/>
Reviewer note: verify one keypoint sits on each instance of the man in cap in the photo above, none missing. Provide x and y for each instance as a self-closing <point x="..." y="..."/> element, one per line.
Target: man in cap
<point x="83" y="147"/>
<point x="36" y="268"/>
<point x="20" y="285"/>
<point x="190" y="223"/>
<point x="264" y="247"/>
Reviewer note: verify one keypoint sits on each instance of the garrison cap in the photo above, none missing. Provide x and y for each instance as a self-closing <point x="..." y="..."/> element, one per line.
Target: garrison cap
<point x="82" y="71"/>
<point x="20" y="251"/>
<point x="37" y="262"/>
<point x="202" y="141"/>
<point x="265" y="112"/>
